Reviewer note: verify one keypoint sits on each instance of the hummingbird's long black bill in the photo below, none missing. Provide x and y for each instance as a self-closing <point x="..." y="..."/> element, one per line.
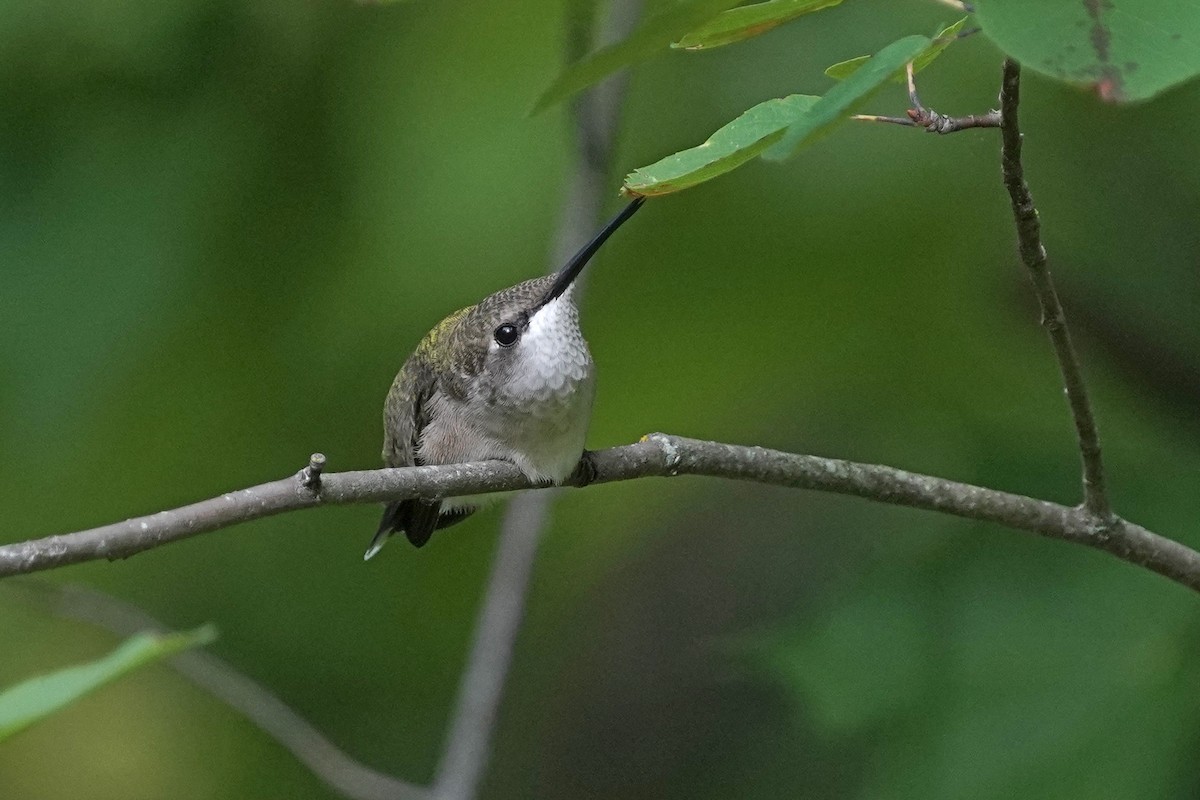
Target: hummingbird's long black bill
<point x="567" y="275"/>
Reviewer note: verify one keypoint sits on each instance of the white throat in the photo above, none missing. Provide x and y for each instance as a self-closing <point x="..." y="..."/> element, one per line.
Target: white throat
<point x="553" y="358"/>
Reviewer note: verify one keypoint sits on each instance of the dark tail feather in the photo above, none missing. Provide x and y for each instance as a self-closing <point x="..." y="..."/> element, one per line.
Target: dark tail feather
<point x="417" y="518"/>
<point x="422" y="520"/>
<point x="387" y="525"/>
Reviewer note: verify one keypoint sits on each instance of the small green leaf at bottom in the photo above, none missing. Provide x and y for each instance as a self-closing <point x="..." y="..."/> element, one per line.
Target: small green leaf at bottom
<point x="36" y="698"/>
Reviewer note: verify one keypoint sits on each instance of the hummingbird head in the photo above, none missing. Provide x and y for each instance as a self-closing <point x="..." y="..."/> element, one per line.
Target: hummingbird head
<point x="530" y="332"/>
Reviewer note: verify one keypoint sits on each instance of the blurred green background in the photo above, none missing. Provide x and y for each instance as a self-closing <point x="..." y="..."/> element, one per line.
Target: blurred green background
<point x="225" y="225"/>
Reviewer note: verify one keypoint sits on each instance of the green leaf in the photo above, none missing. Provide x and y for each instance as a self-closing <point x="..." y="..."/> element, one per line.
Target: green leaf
<point x="1122" y="49"/>
<point x="844" y="69"/>
<point x="743" y="22"/>
<point x="837" y="103"/>
<point x="657" y="34"/>
<point x="31" y="700"/>
<point x="727" y="149"/>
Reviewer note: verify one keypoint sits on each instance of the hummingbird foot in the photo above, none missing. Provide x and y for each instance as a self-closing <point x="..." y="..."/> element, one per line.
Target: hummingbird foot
<point x="585" y="471"/>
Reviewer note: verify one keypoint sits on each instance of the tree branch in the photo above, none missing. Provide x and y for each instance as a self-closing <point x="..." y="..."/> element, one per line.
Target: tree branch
<point x="657" y="455"/>
<point x="1033" y="254"/>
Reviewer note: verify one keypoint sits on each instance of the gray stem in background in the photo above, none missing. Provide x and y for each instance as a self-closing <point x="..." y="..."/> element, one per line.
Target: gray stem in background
<point x="468" y="742"/>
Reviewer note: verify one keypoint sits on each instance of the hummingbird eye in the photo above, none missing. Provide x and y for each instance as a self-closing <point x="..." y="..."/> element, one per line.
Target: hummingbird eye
<point x="506" y="335"/>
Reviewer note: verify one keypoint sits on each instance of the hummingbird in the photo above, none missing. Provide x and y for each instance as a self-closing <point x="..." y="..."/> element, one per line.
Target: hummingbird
<point x="509" y="378"/>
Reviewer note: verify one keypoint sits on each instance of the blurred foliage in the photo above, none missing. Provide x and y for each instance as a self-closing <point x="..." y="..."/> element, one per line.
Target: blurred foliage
<point x="660" y="30"/>
<point x="741" y="23"/>
<point x="226" y="224"/>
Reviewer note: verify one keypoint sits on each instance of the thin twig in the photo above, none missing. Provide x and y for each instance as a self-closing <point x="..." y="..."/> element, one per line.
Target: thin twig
<point x="934" y="122"/>
<point x="1033" y="254"/>
<point x="918" y="116"/>
<point x="310" y="476"/>
<point x="657" y="455"/>
<point x="905" y="121"/>
<point x="910" y="75"/>
<point x="467" y="747"/>
<point x="350" y="778"/>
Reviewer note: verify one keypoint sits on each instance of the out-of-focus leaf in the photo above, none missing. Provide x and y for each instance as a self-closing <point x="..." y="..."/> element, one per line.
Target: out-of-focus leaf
<point x="1123" y="49"/>
<point x="743" y="22"/>
<point x="31" y="700"/>
<point x="657" y="34"/>
<point x="844" y="69"/>
<point x="731" y="146"/>
<point x="833" y="107"/>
